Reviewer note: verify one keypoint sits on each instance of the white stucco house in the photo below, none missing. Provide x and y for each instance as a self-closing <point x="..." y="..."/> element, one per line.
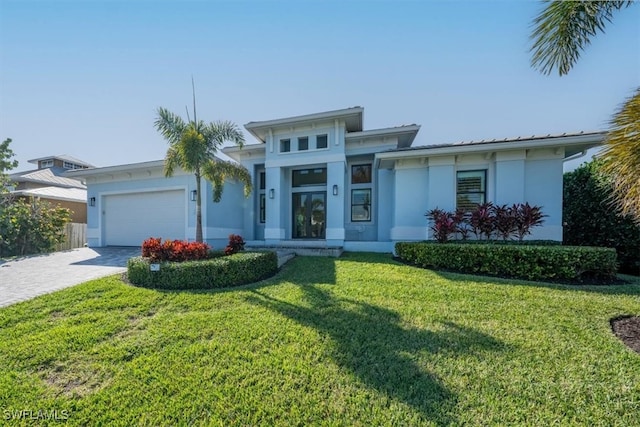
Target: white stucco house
<point x="322" y="180"/>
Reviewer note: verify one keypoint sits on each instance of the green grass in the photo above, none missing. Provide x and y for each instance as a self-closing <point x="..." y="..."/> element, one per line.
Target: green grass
<point x="359" y="340"/>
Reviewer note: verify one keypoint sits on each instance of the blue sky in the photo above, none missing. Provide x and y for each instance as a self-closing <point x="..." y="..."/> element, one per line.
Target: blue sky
<point x="85" y="78"/>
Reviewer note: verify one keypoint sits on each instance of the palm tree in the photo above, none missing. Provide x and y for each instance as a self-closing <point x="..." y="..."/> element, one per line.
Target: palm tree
<point x="561" y="32"/>
<point x="192" y="147"/>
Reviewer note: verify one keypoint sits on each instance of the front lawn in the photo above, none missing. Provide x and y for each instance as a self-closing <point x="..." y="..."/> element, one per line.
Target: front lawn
<point x="359" y="340"/>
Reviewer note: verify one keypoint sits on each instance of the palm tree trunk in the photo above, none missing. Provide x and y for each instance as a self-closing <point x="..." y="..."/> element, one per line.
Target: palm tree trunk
<point x="198" y="209"/>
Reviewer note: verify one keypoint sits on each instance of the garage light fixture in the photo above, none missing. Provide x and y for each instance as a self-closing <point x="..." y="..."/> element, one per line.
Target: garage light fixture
<point x="194" y="195"/>
<point x="272" y="193"/>
<point x="92" y="201"/>
<point x="335" y="189"/>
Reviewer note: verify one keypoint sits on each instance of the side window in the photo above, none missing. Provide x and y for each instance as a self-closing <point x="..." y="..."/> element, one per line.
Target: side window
<point x="471" y="189"/>
<point x="321" y="141"/>
<point x="262" y="202"/>
<point x="361" y="193"/>
<point x="285" y="145"/>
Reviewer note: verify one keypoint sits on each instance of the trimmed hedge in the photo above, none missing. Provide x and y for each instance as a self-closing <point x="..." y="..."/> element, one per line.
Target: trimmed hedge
<point x="220" y="272"/>
<point x="556" y="263"/>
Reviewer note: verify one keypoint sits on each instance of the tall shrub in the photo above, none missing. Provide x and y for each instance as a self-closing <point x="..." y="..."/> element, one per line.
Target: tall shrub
<point x="30" y="226"/>
<point x="591" y="220"/>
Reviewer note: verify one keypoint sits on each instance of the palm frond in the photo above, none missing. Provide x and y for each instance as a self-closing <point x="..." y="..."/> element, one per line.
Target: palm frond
<point x="171" y="161"/>
<point x="564" y="29"/>
<point x="218" y="132"/>
<point x="218" y="171"/>
<point x="170" y="125"/>
<point x="621" y="156"/>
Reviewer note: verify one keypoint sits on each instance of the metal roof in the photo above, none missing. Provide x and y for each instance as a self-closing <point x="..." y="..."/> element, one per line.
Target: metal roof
<point x="46" y="176"/>
<point x="55" y="193"/>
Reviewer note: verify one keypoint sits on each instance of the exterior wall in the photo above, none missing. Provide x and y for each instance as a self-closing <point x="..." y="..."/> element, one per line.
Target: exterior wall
<point x="411" y="192"/>
<point x="225" y="217"/>
<point x="543" y="187"/>
<point x="78" y="209"/>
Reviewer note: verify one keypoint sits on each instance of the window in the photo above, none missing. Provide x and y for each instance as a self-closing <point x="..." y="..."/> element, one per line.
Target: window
<point x="46" y="163"/>
<point x="285" y="145"/>
<point x="308" y="177"/>
<point x="361" y="205"/>
<point x="361" y="174"/>
<point x="263" y="208"/>
<point x="303" y="143"/>
<point x="471" y="189"/>
<point x="262" y="202"/>
<point x="321" y="141"/>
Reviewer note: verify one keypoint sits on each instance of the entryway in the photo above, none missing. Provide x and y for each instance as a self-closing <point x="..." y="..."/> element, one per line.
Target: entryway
<point x="309" y="218"/>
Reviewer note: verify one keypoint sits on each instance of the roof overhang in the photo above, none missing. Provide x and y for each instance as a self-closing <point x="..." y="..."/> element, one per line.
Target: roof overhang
<point x="55" y="193"/>
<point x="111" y="170"/>
<point x="235" y="152"/>
<point x="353" y="118"/>
<point x="572" y="144"/>
<point x="405" y="134"/>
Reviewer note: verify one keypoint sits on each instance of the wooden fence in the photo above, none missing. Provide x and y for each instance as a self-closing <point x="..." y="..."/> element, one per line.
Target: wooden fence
<point x="75" y="236"/>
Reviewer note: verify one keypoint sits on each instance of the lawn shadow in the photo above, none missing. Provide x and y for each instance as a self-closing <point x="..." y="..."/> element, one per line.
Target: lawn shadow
<point x="632" y="288"/>
<point x="372" y="343"/>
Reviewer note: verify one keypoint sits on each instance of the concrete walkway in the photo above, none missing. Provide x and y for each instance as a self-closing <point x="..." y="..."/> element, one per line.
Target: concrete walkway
<point x="24" y="278"/>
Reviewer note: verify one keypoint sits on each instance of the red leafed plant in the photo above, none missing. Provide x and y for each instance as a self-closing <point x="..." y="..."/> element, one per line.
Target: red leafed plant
<point x="236" y="244"/>
<point x="174" y="250"/>
<point x="444" y="223"/>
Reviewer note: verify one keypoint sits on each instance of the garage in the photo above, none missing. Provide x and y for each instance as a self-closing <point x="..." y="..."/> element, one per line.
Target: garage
<point x="131" y="218"/>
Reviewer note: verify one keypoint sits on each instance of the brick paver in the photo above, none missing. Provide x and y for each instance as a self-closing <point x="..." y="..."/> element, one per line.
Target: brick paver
<point x="24" y="278"/>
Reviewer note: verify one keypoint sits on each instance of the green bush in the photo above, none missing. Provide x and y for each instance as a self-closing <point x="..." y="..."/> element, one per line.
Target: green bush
<point x="219" y="272"/>
<point x="558" y="263"/>
<point x="591" y="220"/>
<point x="30" y="226"/>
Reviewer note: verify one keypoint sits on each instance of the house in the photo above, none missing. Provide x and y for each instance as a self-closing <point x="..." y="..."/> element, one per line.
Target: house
<point x="322" y="180"/>
<point x="48" y="183"/>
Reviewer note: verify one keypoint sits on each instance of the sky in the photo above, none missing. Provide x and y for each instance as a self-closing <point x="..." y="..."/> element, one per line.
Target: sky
<point x="85" y="78"/>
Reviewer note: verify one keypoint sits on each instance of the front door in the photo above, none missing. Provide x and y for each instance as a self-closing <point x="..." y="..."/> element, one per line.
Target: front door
<point x="309" y="215"/>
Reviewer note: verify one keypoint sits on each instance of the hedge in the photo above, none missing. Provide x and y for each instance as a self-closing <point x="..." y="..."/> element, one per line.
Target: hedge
<point x="220" y="272"/>
<point x="555" y="263"/>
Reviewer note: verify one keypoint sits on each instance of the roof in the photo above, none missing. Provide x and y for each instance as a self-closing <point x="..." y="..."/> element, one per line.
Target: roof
<point x="353" y="118"/>
<point x="406" y="134"/>
<point x="573" y="143"/>
<point x="46" y="176"/>
<point x="56" y="193"/>
<point x="510" y="140"/>
<point x="64" y="158"/>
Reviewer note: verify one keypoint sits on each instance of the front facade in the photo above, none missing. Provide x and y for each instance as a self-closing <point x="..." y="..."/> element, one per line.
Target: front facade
<point x="320" y="180"/>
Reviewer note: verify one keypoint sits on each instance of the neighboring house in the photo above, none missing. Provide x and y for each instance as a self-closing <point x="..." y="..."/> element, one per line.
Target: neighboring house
<point x="320" y="180"/>
<point x="48" y="183"/>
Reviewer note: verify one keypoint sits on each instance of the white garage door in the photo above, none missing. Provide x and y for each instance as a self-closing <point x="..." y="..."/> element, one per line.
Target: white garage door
<point x="129" y="219"/>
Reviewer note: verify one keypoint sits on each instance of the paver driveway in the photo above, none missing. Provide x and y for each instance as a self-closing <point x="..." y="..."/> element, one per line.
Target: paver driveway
<point x="25" y="278"/>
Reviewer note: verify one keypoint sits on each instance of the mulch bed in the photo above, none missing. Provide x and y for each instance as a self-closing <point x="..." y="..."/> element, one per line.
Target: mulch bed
<point x="627" y="328"/>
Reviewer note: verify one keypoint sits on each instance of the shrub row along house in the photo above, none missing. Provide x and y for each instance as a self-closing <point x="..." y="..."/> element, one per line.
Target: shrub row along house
<point x="321" y="180"/>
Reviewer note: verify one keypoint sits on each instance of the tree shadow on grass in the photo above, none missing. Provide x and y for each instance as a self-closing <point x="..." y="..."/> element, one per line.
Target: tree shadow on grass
<point x="372" y="343"/>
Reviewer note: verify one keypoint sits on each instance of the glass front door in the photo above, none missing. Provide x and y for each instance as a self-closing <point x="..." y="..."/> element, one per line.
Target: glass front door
<point x="309" y="215"/>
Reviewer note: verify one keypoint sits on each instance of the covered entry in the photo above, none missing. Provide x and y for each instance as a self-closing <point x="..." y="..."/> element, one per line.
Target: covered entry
<point x="309" y="219"/>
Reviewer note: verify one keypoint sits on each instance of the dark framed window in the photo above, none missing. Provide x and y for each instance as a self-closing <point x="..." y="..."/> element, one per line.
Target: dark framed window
<point x="303" y="143"/>
<point x="321" y="141"/>
<point x="308" y="177"/>
<point x="263" y="208"/>
<point x="285" y="145"/>
<point x="361" y="174"/>
<point x="361" y="205"/>
<point x="471" y="189"/>
<point x="262" y="181"/>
